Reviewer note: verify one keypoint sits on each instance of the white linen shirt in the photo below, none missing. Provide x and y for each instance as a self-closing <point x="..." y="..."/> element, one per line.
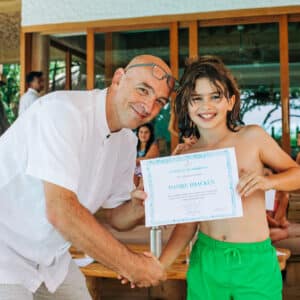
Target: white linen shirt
<point x="63" y="139"/>
<point x="27" y="99"/>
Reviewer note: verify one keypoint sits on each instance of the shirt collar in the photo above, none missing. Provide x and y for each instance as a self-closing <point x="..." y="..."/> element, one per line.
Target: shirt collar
<point x="33" y="91"/>
<point x="102" y="112"/>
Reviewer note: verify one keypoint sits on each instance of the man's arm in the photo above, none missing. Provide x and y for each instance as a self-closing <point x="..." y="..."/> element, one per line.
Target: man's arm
<point x="129" y="214"/>
<point x="79" y="226"/>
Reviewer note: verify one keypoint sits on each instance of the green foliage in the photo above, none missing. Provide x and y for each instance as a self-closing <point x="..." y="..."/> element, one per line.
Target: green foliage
<point x="10" y="92"/>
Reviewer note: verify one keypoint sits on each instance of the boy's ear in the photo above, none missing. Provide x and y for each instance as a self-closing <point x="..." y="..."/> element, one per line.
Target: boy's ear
<point x="231" y="102"/>
<point x="117" y="76"/>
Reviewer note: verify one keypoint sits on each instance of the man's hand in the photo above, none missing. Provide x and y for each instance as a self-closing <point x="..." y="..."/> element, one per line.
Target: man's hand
<point x="251" y="182"/>
<point x="149" y="272"/>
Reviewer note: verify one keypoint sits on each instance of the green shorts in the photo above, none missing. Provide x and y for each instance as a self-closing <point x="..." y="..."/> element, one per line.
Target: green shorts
<point x="233" y="271"/>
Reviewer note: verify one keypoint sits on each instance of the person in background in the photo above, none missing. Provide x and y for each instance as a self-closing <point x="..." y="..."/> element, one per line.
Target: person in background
<point x="71" y="153"/>
<point x="187" y="141"/>
<point x="298" y="144"/>
<point x="146" y="148"/>
<point x="3" y="119"/>
<point x="35" y="83"/>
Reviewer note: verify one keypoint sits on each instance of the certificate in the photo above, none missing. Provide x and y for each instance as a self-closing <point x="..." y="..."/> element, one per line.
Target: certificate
<point x="191" y="187"/>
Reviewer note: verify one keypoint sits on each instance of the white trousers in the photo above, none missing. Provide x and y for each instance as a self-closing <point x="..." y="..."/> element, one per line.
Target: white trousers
<point x="73" y="288"/>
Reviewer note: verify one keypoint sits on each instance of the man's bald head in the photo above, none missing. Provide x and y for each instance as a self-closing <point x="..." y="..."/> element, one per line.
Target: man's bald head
<point x="148" y="59"/>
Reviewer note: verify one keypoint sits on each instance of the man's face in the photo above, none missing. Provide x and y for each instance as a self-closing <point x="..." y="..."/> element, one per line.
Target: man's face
<point x="37" y="83"/>
<point x="140" y="97"/>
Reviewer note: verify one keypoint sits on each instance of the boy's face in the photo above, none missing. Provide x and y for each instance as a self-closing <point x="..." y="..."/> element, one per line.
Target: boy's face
<point x="207" y="108"/>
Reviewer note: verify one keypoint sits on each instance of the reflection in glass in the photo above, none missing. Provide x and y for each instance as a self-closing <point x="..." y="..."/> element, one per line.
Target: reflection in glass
<point x="74" y="43"/>
<point x="114" y="50"/>
<point x="252" y="54"/>
<point x="294" y="69"/>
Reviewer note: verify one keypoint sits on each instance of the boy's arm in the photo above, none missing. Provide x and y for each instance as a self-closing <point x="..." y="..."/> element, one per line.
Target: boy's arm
<point x="281" y="211"/>
<point x="179" y="239"/>
<point x="273" y="156"/>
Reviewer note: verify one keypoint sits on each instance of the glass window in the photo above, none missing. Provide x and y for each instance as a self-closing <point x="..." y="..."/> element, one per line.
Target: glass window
<point x="113" y="50"/>
<point x="57" y="70"/>
<point x="75" y="43"/>
<point x="252" y="53"/>
<point x="294" y="69"/>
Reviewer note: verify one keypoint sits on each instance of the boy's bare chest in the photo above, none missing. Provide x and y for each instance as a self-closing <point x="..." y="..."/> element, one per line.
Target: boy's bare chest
<point x="247" y="155"/>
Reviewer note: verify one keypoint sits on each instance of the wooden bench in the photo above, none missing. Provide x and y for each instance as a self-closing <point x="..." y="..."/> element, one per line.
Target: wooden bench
<point x="177" y="271"/>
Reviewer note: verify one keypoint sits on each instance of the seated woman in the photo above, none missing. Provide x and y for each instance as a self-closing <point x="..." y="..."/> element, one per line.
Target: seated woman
<point x="186" y="142"/>
<point x="146" y="148"/>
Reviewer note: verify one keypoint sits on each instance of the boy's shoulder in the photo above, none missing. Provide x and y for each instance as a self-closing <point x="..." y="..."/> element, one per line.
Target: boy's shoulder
<point x="252" y="131"/>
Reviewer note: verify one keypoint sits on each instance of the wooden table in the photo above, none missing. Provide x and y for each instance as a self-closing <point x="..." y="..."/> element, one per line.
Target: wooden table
<point x="177" y="271"/>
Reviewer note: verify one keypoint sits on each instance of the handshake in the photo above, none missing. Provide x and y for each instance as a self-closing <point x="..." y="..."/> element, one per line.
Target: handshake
<point x="145" y="271"/>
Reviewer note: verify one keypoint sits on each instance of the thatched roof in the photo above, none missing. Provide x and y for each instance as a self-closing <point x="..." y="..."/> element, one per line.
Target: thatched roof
<point x="10" y="19"/>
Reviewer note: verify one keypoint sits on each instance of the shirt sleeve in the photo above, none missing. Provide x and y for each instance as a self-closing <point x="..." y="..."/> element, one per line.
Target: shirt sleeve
<point x="53" y="144"/>
<point x="123" y="181"/>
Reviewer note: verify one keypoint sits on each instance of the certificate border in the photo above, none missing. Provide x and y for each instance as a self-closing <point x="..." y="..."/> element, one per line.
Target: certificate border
<point x="227" y="153"/>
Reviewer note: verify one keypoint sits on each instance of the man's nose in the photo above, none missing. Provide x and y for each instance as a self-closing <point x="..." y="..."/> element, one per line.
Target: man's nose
<point x="149" y="105"/>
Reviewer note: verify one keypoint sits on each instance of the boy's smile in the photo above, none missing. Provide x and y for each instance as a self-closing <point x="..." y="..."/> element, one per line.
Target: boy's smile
<point x="208" y="107"/>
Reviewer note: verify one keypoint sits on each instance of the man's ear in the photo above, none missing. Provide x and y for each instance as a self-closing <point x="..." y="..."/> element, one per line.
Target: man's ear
<point x="117" y="76"/>
<point x="231" y="102"/>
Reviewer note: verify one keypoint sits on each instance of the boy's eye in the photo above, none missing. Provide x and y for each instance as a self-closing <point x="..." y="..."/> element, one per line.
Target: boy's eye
<point x="195" y="99"/>
<point x="216" y="97"/>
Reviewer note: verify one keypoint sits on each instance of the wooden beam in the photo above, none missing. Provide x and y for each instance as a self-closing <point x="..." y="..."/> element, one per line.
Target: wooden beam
<point x="284" y="82"/>
<point x="108" y="58"/>
<point x="239" y="20"/>
<point x="193" y="39"/>
<point x="90" y="65"/>
<point x="68" y="61"/>
<point x="174" y="64"/>
<point x="25" y="58"/>
<point x="162" y="19"/>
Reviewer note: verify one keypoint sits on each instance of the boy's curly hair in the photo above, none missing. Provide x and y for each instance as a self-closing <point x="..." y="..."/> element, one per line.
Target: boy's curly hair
<point x="212" y="68"/>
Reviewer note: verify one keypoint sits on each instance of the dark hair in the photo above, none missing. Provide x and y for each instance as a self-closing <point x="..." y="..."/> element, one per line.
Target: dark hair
<point x="33" y="74"/>
<point x="212" y="68"/>
<point x="151" y="139"/>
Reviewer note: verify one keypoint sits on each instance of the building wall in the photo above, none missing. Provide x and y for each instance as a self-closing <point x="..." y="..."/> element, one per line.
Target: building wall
<point x="37" y="12"/>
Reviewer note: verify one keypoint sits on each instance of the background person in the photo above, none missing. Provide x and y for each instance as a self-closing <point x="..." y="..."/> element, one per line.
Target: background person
<point x="187" y="141"/>
<point x="35" y="83"/>
<point x="146" y="148"/>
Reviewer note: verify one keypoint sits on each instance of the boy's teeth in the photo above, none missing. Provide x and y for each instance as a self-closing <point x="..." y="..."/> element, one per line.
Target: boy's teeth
<point x="206" y="116"/>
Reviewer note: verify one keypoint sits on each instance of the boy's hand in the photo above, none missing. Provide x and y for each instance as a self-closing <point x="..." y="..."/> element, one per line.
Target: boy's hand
<point x="251" y="182"/>
<point x="138" y="196"/>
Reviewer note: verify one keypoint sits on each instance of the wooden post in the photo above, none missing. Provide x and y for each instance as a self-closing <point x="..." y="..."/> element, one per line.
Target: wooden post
<point x="40" y="56"/>
<point x="193" y="39"/>
<point x="108" y="58"/>
<point x="284" y="82"/>
<point x="68" y="61"/>
<point x="174" y="64"/>
<point x="25" y="58"/>
<point x="90" y="50"/>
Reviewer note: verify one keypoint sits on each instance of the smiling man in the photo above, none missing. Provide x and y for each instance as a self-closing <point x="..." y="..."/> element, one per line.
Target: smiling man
<point x="70" y="154"/>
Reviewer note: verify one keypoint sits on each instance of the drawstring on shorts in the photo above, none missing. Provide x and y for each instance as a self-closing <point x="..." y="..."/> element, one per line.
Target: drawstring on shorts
<point x="233" y="253"/>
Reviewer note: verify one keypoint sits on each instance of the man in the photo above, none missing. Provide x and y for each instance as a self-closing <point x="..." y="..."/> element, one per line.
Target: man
<point x="35" y="82"/>
<point x="3" y="120"/>
<point x="70" y="154"/>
